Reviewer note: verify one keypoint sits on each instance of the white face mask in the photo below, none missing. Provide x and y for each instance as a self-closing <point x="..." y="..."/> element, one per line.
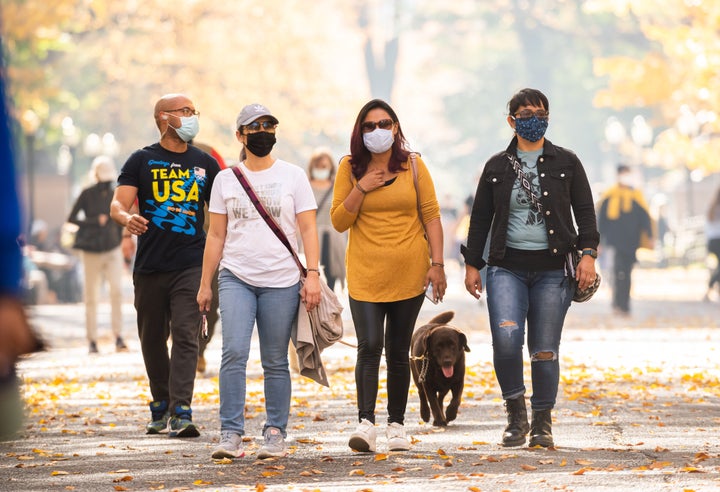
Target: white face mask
<point x="626" y="180"/>
<point x="378" y="140"/>
<point x="321" y="174"/>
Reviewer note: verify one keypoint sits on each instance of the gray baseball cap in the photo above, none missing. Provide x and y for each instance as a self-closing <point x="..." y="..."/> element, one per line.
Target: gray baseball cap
<point x="251" y="112"/>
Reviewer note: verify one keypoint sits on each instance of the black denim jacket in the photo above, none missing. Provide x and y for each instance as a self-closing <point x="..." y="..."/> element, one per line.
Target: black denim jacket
<point x="564" y="191"/>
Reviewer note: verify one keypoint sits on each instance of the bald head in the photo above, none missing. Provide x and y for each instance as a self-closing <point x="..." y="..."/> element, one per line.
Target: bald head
<point x="169" y="102"/>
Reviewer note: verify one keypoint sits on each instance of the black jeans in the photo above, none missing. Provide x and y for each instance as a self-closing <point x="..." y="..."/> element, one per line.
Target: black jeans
<point x="166" y="304"/>
<point x="622" y="275"/>
<point x="714" y="248"/>
<point x="373" y="332"/>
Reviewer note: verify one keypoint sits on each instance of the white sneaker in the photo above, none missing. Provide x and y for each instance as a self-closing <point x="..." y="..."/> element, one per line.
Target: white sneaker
<point x="363" y="439"/>
<point x="397" y="441"/>
<point x="230" y="446"/>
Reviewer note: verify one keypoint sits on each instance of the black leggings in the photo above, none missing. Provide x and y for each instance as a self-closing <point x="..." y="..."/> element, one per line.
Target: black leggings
<point x="369" y="319"/>
<point x="714" y="248"/>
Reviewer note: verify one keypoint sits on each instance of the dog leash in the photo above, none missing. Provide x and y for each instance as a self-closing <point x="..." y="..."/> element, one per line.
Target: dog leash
<point x="423" y="367"/>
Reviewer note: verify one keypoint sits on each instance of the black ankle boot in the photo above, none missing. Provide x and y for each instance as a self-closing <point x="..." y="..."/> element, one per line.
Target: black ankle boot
<point x="541" y="429"/>
<point x="518" y="426"/>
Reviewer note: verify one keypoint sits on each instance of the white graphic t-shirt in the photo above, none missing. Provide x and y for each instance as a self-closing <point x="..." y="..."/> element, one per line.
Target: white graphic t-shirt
<point x="252" y="252"/>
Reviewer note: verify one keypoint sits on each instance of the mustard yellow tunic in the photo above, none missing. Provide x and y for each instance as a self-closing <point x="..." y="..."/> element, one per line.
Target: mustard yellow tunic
<point x="387" y="254"/>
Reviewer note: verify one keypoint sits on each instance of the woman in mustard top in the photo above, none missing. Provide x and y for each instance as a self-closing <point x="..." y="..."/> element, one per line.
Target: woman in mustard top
<point x="388" y="262"/>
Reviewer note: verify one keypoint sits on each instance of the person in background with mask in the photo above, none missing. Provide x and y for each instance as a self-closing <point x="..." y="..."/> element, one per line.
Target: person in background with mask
<point x="98" y="238"/>
<point x="172" y="181"/>
<point x="623" y="220"/>
<point x="259" y="281"/>
<point x="525" y="202"/>
<point x="390" y="261"/>
<point x="321" y="170"/>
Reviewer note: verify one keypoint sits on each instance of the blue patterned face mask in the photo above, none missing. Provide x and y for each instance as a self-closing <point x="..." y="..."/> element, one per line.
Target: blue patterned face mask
<point x="531" y="129"/>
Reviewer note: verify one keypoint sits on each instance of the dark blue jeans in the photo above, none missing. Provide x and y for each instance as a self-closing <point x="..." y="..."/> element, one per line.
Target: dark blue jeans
<point x="541" y="299"/>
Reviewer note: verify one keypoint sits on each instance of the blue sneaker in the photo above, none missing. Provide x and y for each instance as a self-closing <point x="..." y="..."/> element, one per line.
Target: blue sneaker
<point x="181" y="424"/>
<point x="160" y="417"/>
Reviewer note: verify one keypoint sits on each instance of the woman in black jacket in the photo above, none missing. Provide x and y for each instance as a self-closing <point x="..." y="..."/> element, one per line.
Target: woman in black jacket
<point x="525" y="202"/>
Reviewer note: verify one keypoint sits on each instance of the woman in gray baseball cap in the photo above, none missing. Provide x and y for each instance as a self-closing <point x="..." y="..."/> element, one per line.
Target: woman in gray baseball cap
<point x="259" y="281"/>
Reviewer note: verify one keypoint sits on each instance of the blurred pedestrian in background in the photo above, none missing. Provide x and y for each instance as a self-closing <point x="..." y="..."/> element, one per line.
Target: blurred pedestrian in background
<point x="259" y="281"/>
<point x="171" y="181"/>
<point x="525" y="202"/>
<point x="625" y="225"/>
<point x="712" y="235"/>
<point x="98" y="238"/>
<point x="212" y="315"/>
<point x="389" y="264"/>
<point x="16" y="337"/>
<point x="321" y="170"/>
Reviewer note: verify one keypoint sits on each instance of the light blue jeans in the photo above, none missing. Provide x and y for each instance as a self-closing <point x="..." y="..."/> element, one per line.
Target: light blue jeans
<point x="274" y="310"/>
<point x="542" y="299"/>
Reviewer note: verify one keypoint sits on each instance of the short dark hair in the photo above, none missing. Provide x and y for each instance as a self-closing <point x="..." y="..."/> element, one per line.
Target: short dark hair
<point x="623" y="168"/>
<point x="360" y="155"/>
<point x="528" y="97"/>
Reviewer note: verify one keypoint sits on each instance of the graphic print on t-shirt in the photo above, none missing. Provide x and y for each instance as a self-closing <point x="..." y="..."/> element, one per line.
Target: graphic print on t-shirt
<point x="534" y="217"/>
<point x="175" y="196"/>
<point x="270" y="195"/>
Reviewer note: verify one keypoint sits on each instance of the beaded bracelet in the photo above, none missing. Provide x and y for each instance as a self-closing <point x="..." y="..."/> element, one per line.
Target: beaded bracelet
<point x="360" y="188"/>
<point x="441" y="265"/>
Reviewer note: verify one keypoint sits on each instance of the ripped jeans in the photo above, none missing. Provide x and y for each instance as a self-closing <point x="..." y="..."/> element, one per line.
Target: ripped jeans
<point x="542" y="299"/>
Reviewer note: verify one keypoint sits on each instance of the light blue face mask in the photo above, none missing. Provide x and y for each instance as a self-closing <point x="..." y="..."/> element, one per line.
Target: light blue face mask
<point x="189" y="127"/>
<point x="378" y="140"/>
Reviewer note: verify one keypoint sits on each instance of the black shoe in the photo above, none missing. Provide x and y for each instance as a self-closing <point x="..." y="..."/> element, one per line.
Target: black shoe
<point x="517" y="428"/>
<point x="93" y="348"/>
<point x="541" y="429"/>
<point x="120" y="345"/>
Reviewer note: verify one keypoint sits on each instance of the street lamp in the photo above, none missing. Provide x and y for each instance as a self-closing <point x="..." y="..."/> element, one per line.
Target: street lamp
<point x="66" y="153"/>
<point x="641" y="134"/>
<point x="30" y="123"/>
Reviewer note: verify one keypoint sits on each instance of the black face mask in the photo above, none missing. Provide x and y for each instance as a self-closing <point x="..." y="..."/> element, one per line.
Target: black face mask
<point x="260" y="143"/>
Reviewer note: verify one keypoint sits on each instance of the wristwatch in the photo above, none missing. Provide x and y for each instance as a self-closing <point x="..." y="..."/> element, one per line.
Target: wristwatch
<point x="590" y="252"/>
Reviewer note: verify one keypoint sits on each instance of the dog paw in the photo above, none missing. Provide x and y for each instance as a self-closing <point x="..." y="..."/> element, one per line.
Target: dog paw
<point x="439" y="423"/>
<point x="450" y="414"/>
<point x="425" y="414"/>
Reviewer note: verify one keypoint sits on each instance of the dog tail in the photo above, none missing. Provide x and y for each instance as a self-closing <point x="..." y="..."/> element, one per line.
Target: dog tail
<point x="442" y="318"/>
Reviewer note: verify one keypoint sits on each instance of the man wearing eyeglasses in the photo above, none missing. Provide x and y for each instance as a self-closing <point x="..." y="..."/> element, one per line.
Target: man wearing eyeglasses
<point x="160" y="198"/>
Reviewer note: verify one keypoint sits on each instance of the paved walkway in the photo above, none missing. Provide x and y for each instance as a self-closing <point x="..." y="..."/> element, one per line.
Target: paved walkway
<point x="638" y="408"/>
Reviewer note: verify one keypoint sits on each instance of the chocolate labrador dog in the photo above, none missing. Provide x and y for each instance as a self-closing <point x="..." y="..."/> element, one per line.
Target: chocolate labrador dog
<point x="438" y="366"/>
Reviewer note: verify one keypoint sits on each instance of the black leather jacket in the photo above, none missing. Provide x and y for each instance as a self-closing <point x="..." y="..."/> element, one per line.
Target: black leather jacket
<point x="564" y="191"/>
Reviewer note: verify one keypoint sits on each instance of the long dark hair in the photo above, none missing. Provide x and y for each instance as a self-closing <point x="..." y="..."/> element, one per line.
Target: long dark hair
<point x="528" y="97"/>
<point x="360" y="155"/>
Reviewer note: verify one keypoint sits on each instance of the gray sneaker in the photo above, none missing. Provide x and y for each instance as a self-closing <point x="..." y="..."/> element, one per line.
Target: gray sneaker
<point x="230" y="446"/>
<point x="274" y="446"/>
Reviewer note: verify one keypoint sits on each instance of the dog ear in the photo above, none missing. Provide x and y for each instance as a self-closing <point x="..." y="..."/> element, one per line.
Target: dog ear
<point x="463" y="341"/>
<point x="424" y="341"/>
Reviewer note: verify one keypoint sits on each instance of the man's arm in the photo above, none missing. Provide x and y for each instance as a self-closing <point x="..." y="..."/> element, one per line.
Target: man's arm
<point x="122" y="211"/>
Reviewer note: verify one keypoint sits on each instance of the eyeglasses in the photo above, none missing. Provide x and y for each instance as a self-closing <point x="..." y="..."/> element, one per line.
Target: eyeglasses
<point x="526" y="113"/>
<point x="369" y="126"/>
<point x="185" y="111"/>
<point x="266" y="125"/>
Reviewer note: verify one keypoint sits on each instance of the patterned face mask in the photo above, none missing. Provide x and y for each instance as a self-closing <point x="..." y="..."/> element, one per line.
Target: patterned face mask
<point x="531" y="129"/>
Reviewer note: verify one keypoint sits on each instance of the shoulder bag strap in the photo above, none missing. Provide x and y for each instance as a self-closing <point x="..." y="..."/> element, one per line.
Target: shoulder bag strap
<point x="271" y="222"/>
<point x="413" y="167"/>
